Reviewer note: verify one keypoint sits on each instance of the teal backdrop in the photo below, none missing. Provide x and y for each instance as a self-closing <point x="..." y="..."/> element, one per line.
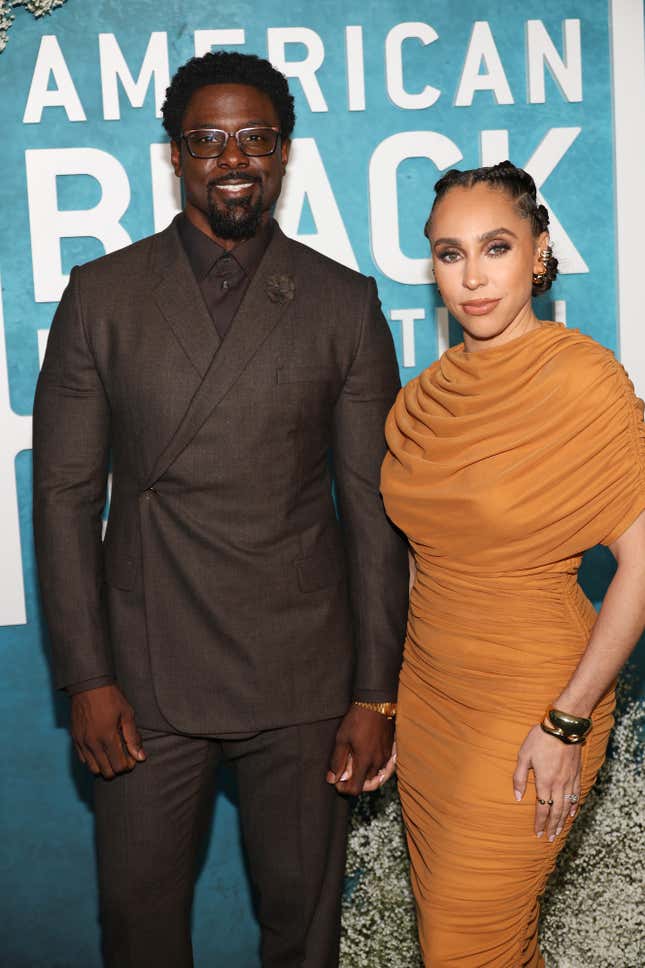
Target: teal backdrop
<point x="387" y="96"/>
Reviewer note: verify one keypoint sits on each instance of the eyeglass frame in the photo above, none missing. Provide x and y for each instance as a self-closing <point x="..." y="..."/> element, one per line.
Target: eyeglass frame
<point x="232" y="134"/>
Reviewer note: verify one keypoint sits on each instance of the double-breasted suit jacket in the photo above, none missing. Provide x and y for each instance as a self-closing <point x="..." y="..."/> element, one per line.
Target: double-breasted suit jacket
<point x="225" y="583"/>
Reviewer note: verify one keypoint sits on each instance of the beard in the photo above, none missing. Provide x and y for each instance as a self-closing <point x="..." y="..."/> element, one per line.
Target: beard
<point x="234" y="219"/>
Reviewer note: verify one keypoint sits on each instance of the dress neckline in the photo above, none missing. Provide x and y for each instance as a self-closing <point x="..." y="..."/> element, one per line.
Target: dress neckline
<point x="509" y="347"/>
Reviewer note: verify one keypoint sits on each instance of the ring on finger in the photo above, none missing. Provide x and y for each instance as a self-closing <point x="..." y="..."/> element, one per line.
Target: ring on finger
<point x="572" y="797"/>
<point x="544" y="803"/>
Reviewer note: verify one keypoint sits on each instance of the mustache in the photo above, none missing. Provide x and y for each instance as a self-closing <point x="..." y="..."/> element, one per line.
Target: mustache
<point x="232" y="177"/>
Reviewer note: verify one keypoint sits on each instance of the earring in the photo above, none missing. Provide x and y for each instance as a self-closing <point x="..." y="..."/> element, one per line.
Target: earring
<point x="544" y="257"/>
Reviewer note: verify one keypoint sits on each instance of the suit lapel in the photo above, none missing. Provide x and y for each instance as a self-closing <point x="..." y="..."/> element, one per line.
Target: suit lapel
<point x="180" y="301"/>
<point x="254" y="321"/>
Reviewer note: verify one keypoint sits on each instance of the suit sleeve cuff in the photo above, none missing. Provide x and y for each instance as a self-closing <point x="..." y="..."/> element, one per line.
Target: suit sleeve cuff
<point x="373" y="695"/>
<point x="87" y="684"/>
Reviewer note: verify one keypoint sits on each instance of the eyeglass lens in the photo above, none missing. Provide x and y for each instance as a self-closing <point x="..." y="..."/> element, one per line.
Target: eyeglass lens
<point x="210" y="142"/>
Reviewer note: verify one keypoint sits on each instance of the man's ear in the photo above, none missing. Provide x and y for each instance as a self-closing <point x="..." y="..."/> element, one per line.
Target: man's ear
<point x="285" y="148"/>
<point x="175" y="157"/>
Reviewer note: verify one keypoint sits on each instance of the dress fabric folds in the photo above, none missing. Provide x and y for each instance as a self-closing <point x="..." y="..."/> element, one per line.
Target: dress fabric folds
<point x="504" y="465"/>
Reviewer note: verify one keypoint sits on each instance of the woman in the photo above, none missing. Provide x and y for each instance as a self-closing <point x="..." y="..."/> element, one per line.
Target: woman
<point x="511" y="455"/>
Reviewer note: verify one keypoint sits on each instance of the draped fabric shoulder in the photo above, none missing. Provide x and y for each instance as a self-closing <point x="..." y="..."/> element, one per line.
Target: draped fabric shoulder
<point x="547" y="418"/>
<point x="504" y="466"/>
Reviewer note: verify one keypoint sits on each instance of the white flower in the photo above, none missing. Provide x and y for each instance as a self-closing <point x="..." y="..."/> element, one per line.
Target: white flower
<point x="36" y="7"/>
<point x="6" y="19"/>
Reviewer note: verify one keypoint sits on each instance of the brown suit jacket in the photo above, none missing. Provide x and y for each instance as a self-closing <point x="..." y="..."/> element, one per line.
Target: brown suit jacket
<point x="225" y="580"/>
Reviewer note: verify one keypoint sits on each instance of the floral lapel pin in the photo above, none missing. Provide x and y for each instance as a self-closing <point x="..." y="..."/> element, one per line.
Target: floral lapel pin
<point x="280" y="289"/>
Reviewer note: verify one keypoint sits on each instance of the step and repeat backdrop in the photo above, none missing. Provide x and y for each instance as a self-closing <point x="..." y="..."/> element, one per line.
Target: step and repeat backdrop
<point x="387" y="98"/>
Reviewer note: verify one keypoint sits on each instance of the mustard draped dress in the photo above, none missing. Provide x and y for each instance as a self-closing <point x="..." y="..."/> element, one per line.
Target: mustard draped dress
<point x="504" y="466"/>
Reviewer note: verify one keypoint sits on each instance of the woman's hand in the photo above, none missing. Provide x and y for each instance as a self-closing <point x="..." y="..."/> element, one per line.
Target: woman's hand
<point x="556" y="768"/>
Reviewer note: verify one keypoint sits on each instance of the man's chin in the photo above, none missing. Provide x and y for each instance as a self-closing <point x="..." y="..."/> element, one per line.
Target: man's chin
<point x="235" y="225"/>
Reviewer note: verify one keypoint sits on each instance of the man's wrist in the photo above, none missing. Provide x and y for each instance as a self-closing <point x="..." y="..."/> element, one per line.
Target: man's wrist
<point x="73" y="688"/>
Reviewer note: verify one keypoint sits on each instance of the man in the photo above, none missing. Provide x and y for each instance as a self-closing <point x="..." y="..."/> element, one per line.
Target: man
<point x="227" y="616"/>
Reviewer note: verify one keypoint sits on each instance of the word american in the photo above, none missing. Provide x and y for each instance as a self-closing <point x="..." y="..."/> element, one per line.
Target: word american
<point x="482" y="70"/>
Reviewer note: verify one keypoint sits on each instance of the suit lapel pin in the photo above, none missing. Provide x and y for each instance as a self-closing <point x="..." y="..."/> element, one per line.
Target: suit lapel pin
<point x="280" y="289"/>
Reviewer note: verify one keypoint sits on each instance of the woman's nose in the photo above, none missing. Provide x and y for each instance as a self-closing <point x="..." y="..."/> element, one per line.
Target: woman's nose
<point x="474" y="274"/>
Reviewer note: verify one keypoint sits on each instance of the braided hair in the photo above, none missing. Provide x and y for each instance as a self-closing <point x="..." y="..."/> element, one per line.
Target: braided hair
<point x="519" y="185"/>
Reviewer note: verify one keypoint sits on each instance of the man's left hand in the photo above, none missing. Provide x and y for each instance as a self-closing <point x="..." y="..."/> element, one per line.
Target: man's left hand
<point x="364" y="756"/>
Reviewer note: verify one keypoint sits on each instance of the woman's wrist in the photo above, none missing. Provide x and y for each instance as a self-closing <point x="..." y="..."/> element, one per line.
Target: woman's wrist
<point x="574" y="705"/>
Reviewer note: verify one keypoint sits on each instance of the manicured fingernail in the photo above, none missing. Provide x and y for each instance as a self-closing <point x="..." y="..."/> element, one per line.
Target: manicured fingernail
<point x="558" y="831"/>
<point x="540" y="833"/>
<point x="345" y="776"/>
<point x="551" y="838"/>
<point x="518" y="795"/>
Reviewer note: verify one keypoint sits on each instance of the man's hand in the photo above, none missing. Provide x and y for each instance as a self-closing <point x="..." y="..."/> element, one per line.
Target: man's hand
<point x="364" y="755"/>
<point x="104" y="731"/>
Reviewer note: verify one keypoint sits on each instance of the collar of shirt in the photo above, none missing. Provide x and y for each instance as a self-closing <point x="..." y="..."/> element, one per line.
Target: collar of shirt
<point x="203" y="253"/>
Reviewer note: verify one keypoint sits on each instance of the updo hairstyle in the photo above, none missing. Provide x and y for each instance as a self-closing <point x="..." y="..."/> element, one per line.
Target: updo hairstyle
<point x="519" y="185"/>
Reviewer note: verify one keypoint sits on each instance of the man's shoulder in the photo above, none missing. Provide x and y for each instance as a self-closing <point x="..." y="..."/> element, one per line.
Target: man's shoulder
<point x="129" y="260"/>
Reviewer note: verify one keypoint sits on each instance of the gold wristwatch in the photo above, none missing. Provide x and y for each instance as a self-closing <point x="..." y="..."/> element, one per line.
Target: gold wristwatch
<point x="387" y="709"/>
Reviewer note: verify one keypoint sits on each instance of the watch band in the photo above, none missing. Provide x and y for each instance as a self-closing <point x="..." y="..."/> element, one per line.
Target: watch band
<point x="387" y="709"/>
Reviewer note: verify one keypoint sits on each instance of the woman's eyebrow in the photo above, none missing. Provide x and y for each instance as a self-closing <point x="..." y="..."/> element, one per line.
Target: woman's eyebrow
<point x="493" y="233"/>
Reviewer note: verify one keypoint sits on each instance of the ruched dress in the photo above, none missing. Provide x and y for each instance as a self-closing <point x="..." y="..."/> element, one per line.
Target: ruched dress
<point x="504" y="465"/>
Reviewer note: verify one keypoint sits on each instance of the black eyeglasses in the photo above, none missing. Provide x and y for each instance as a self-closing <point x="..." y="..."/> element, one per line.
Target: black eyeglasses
<point x="211" y="142"/>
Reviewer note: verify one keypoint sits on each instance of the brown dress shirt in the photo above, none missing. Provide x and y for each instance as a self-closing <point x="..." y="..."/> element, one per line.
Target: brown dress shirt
<point x="223" y="277"/>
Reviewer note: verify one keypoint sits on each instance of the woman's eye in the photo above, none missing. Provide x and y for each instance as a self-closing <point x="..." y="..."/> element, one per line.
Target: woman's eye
<point x="448" y="255"/>
<point x="499" y="248"/>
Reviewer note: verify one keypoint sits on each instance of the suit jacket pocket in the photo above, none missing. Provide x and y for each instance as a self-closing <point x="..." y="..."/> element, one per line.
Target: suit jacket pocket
<point x="320" y="570"/>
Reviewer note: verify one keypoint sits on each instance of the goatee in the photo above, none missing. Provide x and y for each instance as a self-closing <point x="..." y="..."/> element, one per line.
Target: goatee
<point x="234" y="219"/>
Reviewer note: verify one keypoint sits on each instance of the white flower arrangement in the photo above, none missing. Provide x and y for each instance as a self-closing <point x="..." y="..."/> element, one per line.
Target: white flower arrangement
<point x="6" y="19"/>
<point x="593" y="911"/>
<point x="7" y="16"/>
<point x="379" y="924"/>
